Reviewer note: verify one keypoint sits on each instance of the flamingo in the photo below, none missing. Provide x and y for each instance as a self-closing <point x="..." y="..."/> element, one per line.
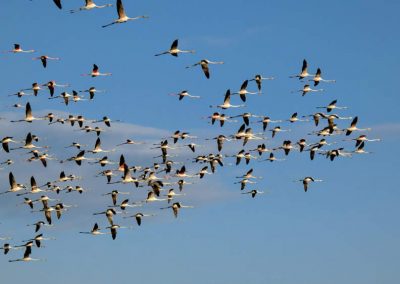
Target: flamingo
<point x="114" y="195"/>
<point x="332" y="154"/>
<point x="14" y="186"/>
<point x="227" y="102"/>
<point x="122" y="17"/>
<point x="360" y="149"/>
<point x="48" y="209"/>
<point x="307" y="180"/>
<point x="34" y="188"/>
<point x="20" y="94"/>
<point x="113" y="229"/>
<point x="302" y="144"/>
<point x="89" y="5"/>
<point x="97" y="148"/>
<point x="107" y="173"/>
<point x="249" y="175"/>
<point x="63" y="177"/>
<point x="103" y="162"/>
<point x="259" y="78"/>
<point x="181" y="183"/>
<point x="363" y="138"/>
<point x="272" y="158"/>
<point x="76" y="145"/>
<point x="181" y="173"/>
<point x="138" y="216"/>
<point x="35" y="88"/>
<point x="353" y="127"/>
<point x="28" y="115"/>
<point x="294" y="118"/>
<point x="29" y="143"/>
<point x="286" y="147"/>
<point x="127" y="177"/>
<point x="317" y="78"/>
<point x="246" y="117"/>
<point x="220" y="141"/>
<point x="176" y="206"/>
<point x="277" y="129"/>
<point x="95" y="231"/>
<point x="151" y="197"/>
<point x="27" y="253"/>
<point x="7" y="162"/>
<point x="38" y="225"/>
<point x="76" y="97"/>
<point x="7" y="247"/>
<point x="243" y="92"/>
<point x="171" y="194"/>
<point x="130" y="142"/>
<point x="5" y="141"/>
<point x="266" y="120"/>
<point x="244" y="182"/>
<point x="316" y="117"/>
<point x="332" y="106"/>
<point x="313" y="150"/>
<point x="203" y="172"/>
<point x="183" y="94"/>
<point x="109" y="214"/>
<point x="174" y="50"/>
<point x="261" y="148"/>
<point x="78" y="158"/>
<point x="38" y="240"/>
<point x="204" y="66"/>
<point x="64" y="95"/>
<point x="95" y="72"/>
<point x="124" y="204"/>
<point x="92" y="91"/>
<point x="52" y="84"/>
<point x="306" y="89"/>
<point x="106" y="120"/>
<point x="17" y="49"/>
<point x="253" y="192"/>
<point x="44" y="59"/>
<point x="303" y="74"/>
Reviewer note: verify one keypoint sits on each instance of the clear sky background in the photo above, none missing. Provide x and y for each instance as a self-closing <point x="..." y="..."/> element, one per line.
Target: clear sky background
<point x="343" y="230"/>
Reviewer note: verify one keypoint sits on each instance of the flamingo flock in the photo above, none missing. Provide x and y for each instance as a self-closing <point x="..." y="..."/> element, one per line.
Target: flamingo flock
<point x="164" y="178"/>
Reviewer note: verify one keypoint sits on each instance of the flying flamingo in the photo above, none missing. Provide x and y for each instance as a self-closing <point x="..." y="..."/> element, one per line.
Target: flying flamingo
<point x="44" y="59"/>
<point x="353" y="127"/>
<point x="303" y="74"/>
<point x="51" y="86"/>
<point x="89" y="5"/>
<point x="332" y="106"/>
<point x="174" y="50"/>
<point x="17" y="49"/>
<point x="122" y="17"/>
<point x="28" y="115"/>
<point x="95" y="231"/>
<point x="92" y="91"/>
<point x="307" y="180"/>
<point x="363" y="138"/>
<point x="243" y="92"/>
<point x="317" y="78"/>
<point x="306" y="89"/>
<point x="204" y="66"/>
<point x="183" y="94"/>
<point x="95" y="72"/>
<point x="227" y="102"/>
<point x="176" y="206"/>
<point x="253" y="192"/>
<point x="258" y="78"/>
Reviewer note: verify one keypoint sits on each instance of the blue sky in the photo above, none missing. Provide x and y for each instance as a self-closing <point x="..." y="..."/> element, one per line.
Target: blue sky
<point x="342" y="230"/>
